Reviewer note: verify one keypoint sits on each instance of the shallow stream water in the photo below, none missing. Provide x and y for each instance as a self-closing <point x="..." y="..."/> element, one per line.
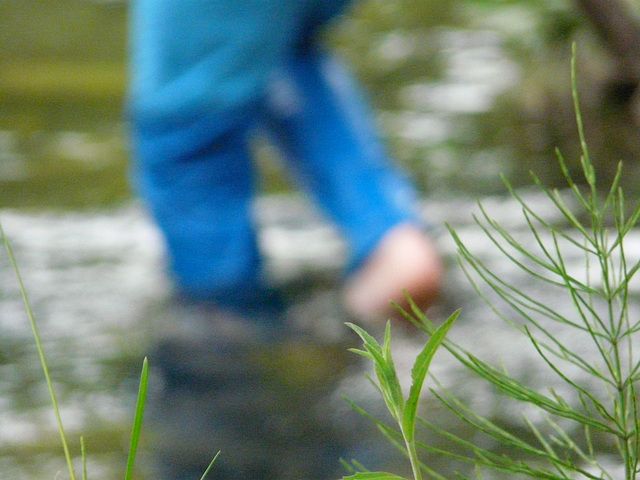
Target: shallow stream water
<point x="99" y="294"/>
<point x="464" y="91"/>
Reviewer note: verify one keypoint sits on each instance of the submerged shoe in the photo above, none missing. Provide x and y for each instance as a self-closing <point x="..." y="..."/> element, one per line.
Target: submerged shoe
<point x="405" y="262"/>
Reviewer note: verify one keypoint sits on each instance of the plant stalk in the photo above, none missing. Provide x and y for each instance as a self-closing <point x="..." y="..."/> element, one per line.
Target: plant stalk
<point x="43" y="361"/>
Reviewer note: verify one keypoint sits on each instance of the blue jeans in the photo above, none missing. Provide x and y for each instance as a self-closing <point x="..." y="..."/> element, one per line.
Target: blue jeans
<point x="192" y="161"/>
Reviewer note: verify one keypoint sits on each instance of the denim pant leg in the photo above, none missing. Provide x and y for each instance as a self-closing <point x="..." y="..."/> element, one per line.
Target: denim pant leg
<point x="200" y="187"/>
<point x="321" y="121"/>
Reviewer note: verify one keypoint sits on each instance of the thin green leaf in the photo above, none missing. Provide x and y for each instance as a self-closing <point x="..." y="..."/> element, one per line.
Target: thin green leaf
<point x="353" y="467"/>
<point x="519" y="391"/>
<point x="373" y="476"/>
<point x="511" y="294"/>
<point x="43" y="360"/>
<point x="137" y="421"/>
<point x="614" y="190"/>
<point x="563" y="208"/>
<point x="367" y="339"/>
<point x="583" y="392"/>
<point x="393" y="383"/>
<point x="556" y="198"/>
<point x="419" y="373"/>
<point x="488" y="458"/>
<point x="589" y="172"/>
<point x="363" y="353"/>
<point x="385" y="371"/>
<point x="570" y="182"/>
<point x="547" y="447"/>
<point x="499" y="461"/>
<point x="83" y="454"/>
<point x="567" y="442"/>
<point x="206" y="472"/>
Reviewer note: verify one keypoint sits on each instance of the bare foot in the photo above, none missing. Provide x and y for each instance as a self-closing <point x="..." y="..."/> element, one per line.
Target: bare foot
<point x="406" y="260"/>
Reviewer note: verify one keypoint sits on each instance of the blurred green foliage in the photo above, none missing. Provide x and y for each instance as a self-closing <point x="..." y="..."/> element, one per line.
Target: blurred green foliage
<point x="63" y="82"/>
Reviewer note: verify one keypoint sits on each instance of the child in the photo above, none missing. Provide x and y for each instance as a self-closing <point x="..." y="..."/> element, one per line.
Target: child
<point x="205" y="74"/>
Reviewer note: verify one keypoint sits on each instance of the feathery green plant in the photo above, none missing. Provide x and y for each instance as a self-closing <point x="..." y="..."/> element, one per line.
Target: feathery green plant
<point x="403" y="411"/>
<point x="606" y="409"/>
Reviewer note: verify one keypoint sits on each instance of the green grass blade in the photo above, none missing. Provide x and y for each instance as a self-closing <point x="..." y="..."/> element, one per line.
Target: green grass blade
<point x="373" y="476"/>
<point x="83" y="452"/>
<point x="43" y="361"/>
<point x="137" y="421"/>
<point x="206" y="472"/>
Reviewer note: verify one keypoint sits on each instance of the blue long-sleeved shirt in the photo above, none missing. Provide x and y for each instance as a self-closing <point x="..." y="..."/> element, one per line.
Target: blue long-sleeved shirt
<point x="191" y="58"/>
